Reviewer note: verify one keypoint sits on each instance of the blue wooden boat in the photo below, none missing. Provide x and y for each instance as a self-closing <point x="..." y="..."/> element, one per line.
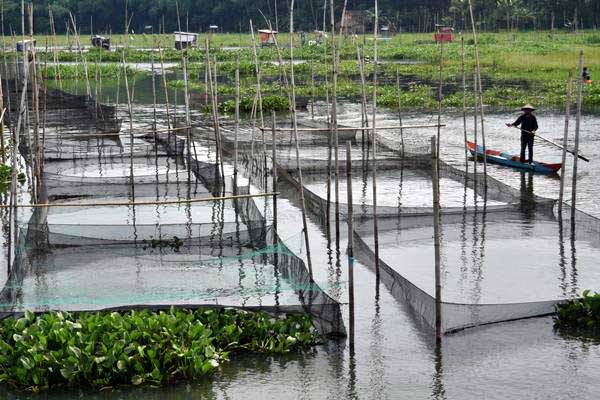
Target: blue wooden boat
<point x="513" y="161"/>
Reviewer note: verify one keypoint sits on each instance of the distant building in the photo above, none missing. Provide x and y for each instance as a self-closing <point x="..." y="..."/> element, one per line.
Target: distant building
<point x="213" y="29"/>
<point x="354" y="22"/>
<point x="26" y="45"/>
<point x="148" y="29"/>
<point x="183" y="40"/>
<point x="444" y="33"/>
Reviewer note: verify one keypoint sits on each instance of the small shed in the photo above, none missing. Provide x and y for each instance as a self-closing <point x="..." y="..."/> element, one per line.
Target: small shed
<point x="149" y="29"/>
<point x="101" y="41"/>
<point x="183" y="40"/>
<point x="267" y="37"/>
<point x="444" y="33"/>
<point x="26" y="45"/>
<point x="213" y="28"/>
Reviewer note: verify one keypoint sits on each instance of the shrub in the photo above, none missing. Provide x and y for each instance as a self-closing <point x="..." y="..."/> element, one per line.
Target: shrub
<point x="579" y="314"/>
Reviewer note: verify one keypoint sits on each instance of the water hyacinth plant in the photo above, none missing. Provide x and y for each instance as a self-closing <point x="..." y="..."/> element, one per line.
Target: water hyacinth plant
<point x="579" y="314"/>
<point x="103" y="349"/>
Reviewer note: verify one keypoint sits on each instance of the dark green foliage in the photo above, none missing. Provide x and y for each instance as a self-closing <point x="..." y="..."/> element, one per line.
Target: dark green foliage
<point x="110" y="348"/>
<point x="579" y="314"/>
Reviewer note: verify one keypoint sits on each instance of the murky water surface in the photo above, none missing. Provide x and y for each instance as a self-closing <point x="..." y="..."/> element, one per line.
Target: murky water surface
<point x="507" y="257"/>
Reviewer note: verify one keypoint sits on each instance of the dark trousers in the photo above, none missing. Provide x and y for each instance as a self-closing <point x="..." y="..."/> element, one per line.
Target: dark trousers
<point x="527" y="143"/>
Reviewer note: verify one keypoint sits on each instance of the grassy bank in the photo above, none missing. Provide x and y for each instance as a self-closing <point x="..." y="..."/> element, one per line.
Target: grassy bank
<point x="516" y="67"/>
<point x="137" y="347"/>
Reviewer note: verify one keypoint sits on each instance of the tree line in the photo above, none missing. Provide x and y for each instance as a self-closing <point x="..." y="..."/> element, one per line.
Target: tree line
<point x="234" y="15"/>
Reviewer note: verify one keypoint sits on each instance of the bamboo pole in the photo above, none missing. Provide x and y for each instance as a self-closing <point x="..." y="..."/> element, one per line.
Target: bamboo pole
<point x="130" y="112"/>
<point x="479" y="91"/>
<point x="565" y="141"/>
<point x="436" y="235"/>
<point x="347" y="128"/>
<point x="2" y="148"/>
<point x="83" y="58"/>
<point x="374" y="136"/>
<point x="363" y="94"/>
<point x="295" y="125"/>
<point x="334" y="124"/>
<point x="440" y="94"/>
<point x="577" y="128"/>
<point x="274" y="174"/>
<point x="400" y="111"/>
<point x="312" y="91"/>
<point x="464" y="84"/>
<point x="36" y="112"/>
<point x="350" y="237"/>
<point x="143" y="203"/>
<point x="475" y="132"/>
<point x="237" y="119"/>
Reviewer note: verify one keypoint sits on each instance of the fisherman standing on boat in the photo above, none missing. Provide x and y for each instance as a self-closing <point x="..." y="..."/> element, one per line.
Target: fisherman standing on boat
<point x="529" y="126"/>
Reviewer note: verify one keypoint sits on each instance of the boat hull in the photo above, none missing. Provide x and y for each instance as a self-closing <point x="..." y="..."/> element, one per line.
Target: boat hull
<point x="512" y="161"/>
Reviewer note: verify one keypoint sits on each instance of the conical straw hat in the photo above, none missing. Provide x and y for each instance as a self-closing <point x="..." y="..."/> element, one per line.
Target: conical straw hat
<point x="528" y="107"/>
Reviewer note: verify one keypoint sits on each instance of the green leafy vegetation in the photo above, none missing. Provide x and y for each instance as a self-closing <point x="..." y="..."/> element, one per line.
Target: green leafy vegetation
<point x="102" y="349"/>
<point x="579" y="314"/>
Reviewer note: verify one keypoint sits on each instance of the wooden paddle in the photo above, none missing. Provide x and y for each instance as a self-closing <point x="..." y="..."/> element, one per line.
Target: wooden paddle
<point x="551" y="142"/>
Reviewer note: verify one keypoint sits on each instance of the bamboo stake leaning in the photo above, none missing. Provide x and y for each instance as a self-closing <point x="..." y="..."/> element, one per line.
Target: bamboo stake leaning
<point x="436" y="236"/>
<point x="295" y="125"/>
<point x="479" y="91"/>
<point x="374" y="137"/>
<point x="565" y="142"/>
<point x="577" y="128"/>
<point x="350" y="202"/>
<point x="464" y="84"/>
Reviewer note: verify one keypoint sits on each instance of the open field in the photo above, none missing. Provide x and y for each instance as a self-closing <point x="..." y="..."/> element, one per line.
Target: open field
<point x="517" y="67"/>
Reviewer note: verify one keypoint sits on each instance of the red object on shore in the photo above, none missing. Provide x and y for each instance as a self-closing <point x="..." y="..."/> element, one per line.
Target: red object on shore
<point x="444" y="34"/>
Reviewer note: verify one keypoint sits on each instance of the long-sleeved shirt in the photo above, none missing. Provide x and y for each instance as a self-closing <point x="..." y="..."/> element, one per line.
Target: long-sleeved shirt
<point x="528" y="122"/>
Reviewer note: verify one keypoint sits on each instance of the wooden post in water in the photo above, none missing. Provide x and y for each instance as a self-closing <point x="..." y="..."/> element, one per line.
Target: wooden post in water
<point x="363" y="93"/>
<point x="577" y="127"/>
<point x="3" y="112"/>
<point x="436" y="237"/>
<point x="464" y="84"/>
<point x="350" y="238"/>
<point x="237" y="120"/>
<point x="274" y="173"/>
<point x="565" y="142"/>
<point x="374" y="137"/>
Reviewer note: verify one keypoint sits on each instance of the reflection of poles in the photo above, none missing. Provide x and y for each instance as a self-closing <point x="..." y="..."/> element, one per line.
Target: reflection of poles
<point x="577" y="126"/>
<point x="436" y="234"/>
<point x="565" y="139"/>
<point x="350" y="239"/>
